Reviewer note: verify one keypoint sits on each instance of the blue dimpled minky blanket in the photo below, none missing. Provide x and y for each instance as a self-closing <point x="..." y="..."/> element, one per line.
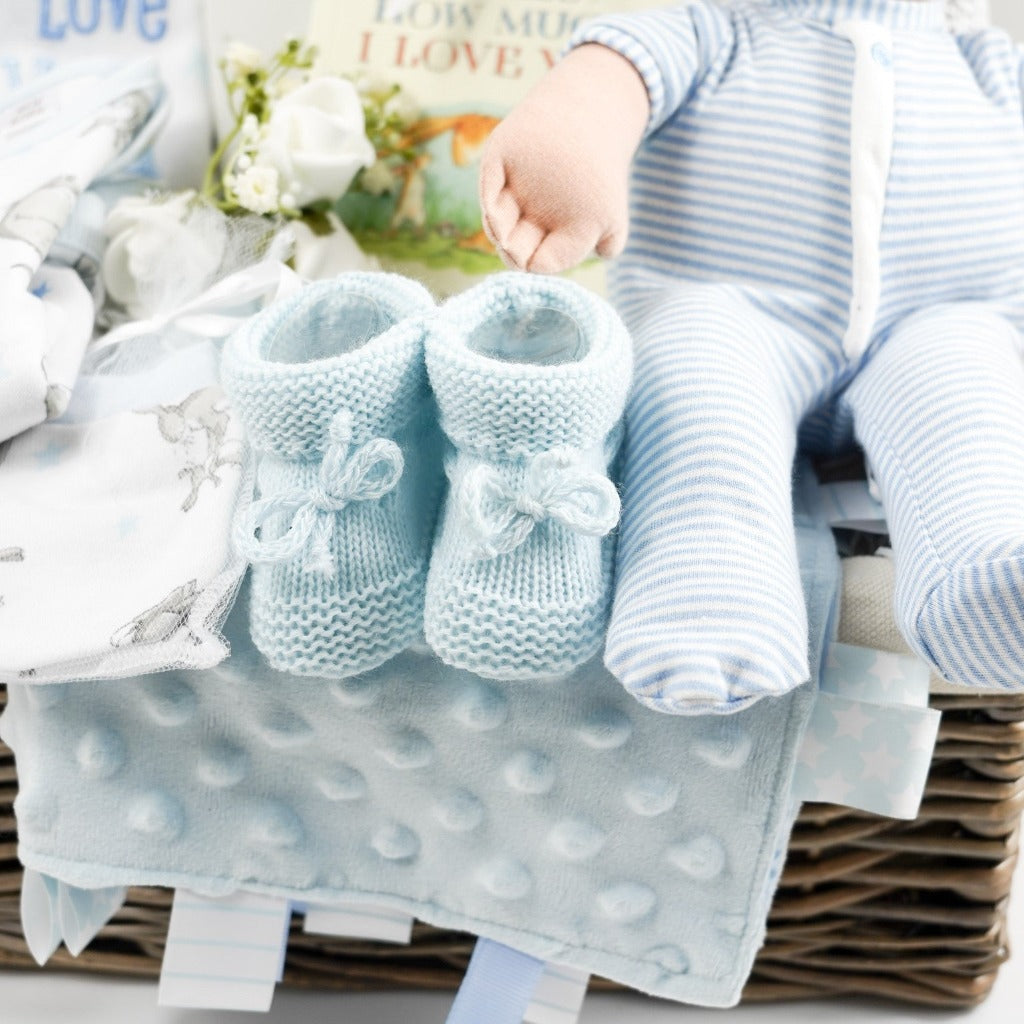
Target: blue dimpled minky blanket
<point x="559" y="817"/>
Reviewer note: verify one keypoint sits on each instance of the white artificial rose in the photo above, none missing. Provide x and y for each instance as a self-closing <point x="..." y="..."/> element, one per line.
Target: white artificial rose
<point x="316" y="140"/>
<point x="319" y="256"/>
<point x="162" y="251"/>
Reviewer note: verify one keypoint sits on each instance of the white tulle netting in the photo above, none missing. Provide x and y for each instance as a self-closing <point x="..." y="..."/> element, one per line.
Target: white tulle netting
<point x="164" y="250"/>
<point x="137" y="524"/>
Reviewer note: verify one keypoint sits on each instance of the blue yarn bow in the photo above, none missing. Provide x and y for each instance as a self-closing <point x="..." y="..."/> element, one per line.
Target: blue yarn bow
<point x="346" y="475"/>
<point x="556" y="486"/>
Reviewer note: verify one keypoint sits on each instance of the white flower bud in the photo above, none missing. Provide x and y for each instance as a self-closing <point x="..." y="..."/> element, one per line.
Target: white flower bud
<point x="257" y="189"/>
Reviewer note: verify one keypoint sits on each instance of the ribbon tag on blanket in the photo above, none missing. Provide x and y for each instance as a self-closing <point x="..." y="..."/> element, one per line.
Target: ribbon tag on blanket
<point x="850" y="505"/>
<point x="871" y="736"/>
<point x="499" y="985"/>
<point x="39" y="921"/>
<point x="53" y="911"/>
<point x="558" y="997"/>
<point x="83" y="912"/>
<point x="224" y="954"/>
<point x="371" y="921"/>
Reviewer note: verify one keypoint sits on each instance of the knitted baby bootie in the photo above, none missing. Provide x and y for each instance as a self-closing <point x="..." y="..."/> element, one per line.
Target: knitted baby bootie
<point x="530" y="375"/>
<point x="332" y="389"/>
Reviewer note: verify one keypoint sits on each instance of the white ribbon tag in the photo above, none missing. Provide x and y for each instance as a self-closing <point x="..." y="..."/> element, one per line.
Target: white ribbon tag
<point x="224" y="954"/>
<point x="360" y="921"/>
<point x="871" y="736"/>
<point x="39" y="922"/>
<point x="83" y="912"/>
<point x="52" y="911"/>
<point x="558" y="997"/>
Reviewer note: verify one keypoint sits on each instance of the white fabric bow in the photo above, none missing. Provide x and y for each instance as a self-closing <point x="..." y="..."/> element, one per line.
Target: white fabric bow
<point x="219" y="310"/>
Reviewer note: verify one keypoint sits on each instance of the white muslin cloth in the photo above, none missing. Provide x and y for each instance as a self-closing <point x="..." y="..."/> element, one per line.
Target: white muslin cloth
<point x="115" y="557"/>
<point x="56" y="137"/>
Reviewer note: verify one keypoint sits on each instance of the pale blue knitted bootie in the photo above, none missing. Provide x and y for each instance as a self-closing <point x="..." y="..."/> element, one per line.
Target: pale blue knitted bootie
<point x="332" y="389"/>
<point x="531" y="375"/>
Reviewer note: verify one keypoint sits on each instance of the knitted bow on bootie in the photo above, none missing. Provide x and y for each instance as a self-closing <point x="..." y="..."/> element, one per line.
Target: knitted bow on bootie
<point x="557" y="486"/>
<point x="531" y="376"/>
<point x="332" y="388"/>
<point x="346" y="475"/>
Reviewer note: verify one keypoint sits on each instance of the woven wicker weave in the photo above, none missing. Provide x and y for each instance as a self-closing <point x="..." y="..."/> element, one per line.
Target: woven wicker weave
<point x="914" y="911"/>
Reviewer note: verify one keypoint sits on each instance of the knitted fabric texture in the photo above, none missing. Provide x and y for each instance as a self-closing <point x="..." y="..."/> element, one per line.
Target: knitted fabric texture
<point x="332" y="389"/>
<point x="531" y="375"/>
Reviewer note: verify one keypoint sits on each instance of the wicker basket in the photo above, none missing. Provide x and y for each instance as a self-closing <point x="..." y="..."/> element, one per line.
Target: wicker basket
<point x="914" y="911"/>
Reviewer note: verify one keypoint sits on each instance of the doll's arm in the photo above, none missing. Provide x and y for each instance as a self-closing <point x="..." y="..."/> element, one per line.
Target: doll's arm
<point x="554" y="175"/>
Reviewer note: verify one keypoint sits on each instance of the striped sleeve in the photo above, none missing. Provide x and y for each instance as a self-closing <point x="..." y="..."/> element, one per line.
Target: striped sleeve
<point x="1019" y="54"/>
<point x="672" y="49"/>
<point x="997" y="63"/>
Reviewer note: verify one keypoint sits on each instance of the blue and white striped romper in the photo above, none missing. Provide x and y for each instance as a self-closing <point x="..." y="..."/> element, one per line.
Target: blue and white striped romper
<point x="828" y="215"/>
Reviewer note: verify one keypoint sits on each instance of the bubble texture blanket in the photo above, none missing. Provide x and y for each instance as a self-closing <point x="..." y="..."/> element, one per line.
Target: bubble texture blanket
<point x="561" y="818"/>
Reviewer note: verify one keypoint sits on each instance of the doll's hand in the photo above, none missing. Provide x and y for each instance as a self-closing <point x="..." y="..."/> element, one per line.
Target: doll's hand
<point x="554" y="175"/>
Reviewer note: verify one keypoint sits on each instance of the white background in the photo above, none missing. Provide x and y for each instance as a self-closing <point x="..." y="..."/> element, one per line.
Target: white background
<point x="45" y="998"/>
<point x="1009" y="14"/>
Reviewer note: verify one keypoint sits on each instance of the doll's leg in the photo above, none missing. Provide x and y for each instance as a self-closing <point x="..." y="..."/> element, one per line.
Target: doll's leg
<point x="940" y="413"/>
<point x="708" y="613"/>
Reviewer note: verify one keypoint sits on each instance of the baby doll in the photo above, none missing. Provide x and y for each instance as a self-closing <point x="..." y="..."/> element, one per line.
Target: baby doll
<point x="827" y="234"/>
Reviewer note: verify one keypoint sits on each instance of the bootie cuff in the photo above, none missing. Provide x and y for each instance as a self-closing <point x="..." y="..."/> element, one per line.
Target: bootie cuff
<point x="522" y="364"/>
<point x="350" y="342"/>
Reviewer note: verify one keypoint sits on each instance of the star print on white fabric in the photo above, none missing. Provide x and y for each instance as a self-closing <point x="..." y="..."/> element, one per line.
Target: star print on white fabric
<point x="924" y="735"/>
<point x="906" y="802"/>
<point x="811" y="750"/>
<point x="888" y="669"/>
<point x="882" y="765"/>
<point x="852" y="721"/>
<point x="850" y="658"/>
<point x="834" y="788"/>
